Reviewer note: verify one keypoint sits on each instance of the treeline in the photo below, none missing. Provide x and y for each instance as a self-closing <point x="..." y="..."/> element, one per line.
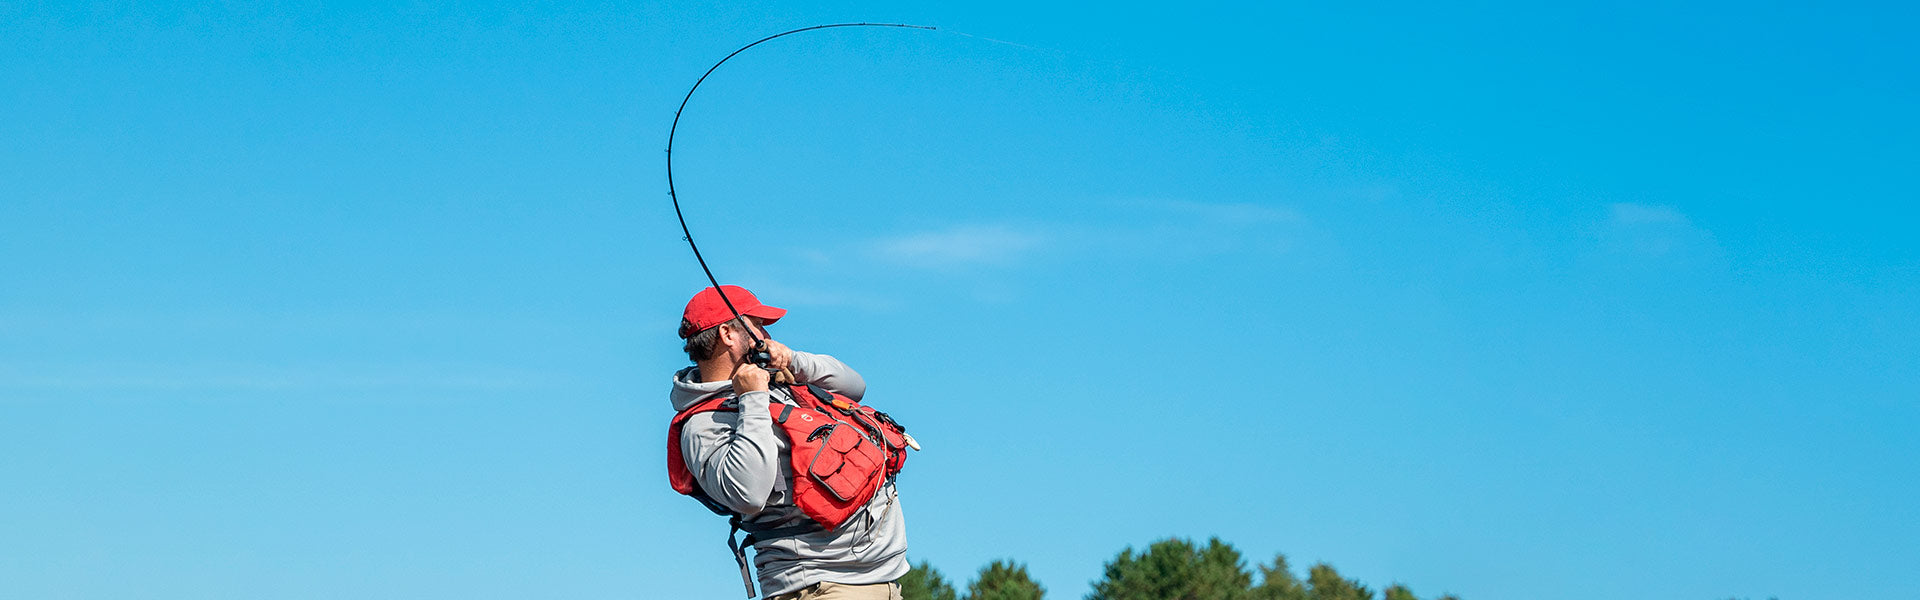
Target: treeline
<point x="1172" y="569"/>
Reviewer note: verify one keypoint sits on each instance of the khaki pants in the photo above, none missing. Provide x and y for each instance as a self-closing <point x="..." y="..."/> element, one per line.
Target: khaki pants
<point x="827" y="590"/>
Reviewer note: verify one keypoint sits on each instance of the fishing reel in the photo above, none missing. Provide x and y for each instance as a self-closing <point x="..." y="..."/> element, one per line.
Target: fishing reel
<point x="760" y="357"/>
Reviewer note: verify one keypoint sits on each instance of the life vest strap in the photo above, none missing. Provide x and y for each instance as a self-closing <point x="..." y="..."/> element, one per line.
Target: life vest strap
<point x="755" y="535"/>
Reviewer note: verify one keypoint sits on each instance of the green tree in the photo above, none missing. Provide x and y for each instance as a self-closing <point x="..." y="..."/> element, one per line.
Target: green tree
<point x="1175" y="569"/>
<point x="1004" y="580"/>
<point x="1399" y="592"/>
<point x="923" y="582"/>
<point x="1324" y="583"/>
<point x="1278" y="583"/>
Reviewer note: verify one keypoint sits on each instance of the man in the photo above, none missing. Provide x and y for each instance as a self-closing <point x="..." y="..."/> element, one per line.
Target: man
<point x="742" y="460"/>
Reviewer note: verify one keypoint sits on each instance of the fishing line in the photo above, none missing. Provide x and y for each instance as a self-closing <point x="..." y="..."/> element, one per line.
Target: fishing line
<point x="759" y="354"/>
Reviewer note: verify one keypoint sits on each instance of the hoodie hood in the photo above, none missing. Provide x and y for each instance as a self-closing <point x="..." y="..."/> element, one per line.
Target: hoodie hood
<point x="688" y="392"/>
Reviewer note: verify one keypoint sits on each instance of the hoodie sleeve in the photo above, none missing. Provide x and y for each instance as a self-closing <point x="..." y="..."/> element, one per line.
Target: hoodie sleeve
<point x="735" y="455"/>
<point x="829" y="373"/>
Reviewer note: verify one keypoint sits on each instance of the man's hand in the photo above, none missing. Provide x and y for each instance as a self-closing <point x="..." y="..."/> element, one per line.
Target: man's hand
<point x="749" y="377"/>
<point x="782" y="356"/>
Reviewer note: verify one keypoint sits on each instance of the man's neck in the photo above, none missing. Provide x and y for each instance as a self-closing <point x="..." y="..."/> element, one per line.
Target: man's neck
<point x="717" y="369"/>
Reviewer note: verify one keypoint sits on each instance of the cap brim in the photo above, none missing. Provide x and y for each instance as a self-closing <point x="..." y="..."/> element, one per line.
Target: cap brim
<point x="767" y="314"/>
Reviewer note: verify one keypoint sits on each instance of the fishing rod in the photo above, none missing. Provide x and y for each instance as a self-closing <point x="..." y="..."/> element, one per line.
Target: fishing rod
<point x="758" y="355"/>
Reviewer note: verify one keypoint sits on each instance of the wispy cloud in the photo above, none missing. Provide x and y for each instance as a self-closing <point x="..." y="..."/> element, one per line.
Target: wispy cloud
<point x="958" y="246"/>
<point x="1628" y="214"/>
<point x="143" y="350"/>
<point x="1234" y="213"/>
<point x="791" y="294"/>
<point x="1654" y="231"/>
<point x="263" y="379"/>
<point x="978" y="258"/>
<point x="1194" y="230"/>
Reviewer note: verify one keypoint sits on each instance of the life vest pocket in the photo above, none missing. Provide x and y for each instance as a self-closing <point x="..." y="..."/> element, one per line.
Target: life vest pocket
<point x="845" y="463"/>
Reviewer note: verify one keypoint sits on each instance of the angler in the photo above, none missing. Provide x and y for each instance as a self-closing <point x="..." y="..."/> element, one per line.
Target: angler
<point x="777" y="441"/>
<point x="786" y="451"/>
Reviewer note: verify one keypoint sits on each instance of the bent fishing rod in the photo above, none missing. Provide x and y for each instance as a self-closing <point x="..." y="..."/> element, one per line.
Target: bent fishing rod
<point x="759" y="354"/>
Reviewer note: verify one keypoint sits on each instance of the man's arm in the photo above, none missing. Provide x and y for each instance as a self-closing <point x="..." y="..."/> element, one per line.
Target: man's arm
<point x="734" y="455"/>
<point x="828" y="372"/>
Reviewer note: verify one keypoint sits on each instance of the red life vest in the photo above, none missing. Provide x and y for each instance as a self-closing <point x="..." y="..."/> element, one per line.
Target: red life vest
<point x="841" y="452"/>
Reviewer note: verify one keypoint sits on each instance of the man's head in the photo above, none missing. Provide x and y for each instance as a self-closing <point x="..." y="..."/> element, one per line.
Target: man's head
<point x="710" y="328"/>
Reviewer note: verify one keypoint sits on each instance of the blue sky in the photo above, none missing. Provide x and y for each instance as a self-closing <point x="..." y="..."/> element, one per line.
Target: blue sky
<point x="1590" y="300"/>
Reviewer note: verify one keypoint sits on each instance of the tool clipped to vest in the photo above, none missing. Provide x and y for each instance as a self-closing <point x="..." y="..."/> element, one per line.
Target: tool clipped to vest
<point x="842" y="453"/>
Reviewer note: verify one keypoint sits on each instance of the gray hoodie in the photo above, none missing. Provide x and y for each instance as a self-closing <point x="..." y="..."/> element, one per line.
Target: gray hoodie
<point x="740" y="459"/>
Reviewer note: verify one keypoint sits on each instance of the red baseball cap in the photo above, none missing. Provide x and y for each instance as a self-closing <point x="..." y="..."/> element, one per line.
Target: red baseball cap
<point x="706" y="309"/>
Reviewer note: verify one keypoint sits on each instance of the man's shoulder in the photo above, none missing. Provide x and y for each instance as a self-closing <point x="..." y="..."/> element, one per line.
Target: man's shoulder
<point x="708" y="424"/>
<point x="709" y="407"/>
